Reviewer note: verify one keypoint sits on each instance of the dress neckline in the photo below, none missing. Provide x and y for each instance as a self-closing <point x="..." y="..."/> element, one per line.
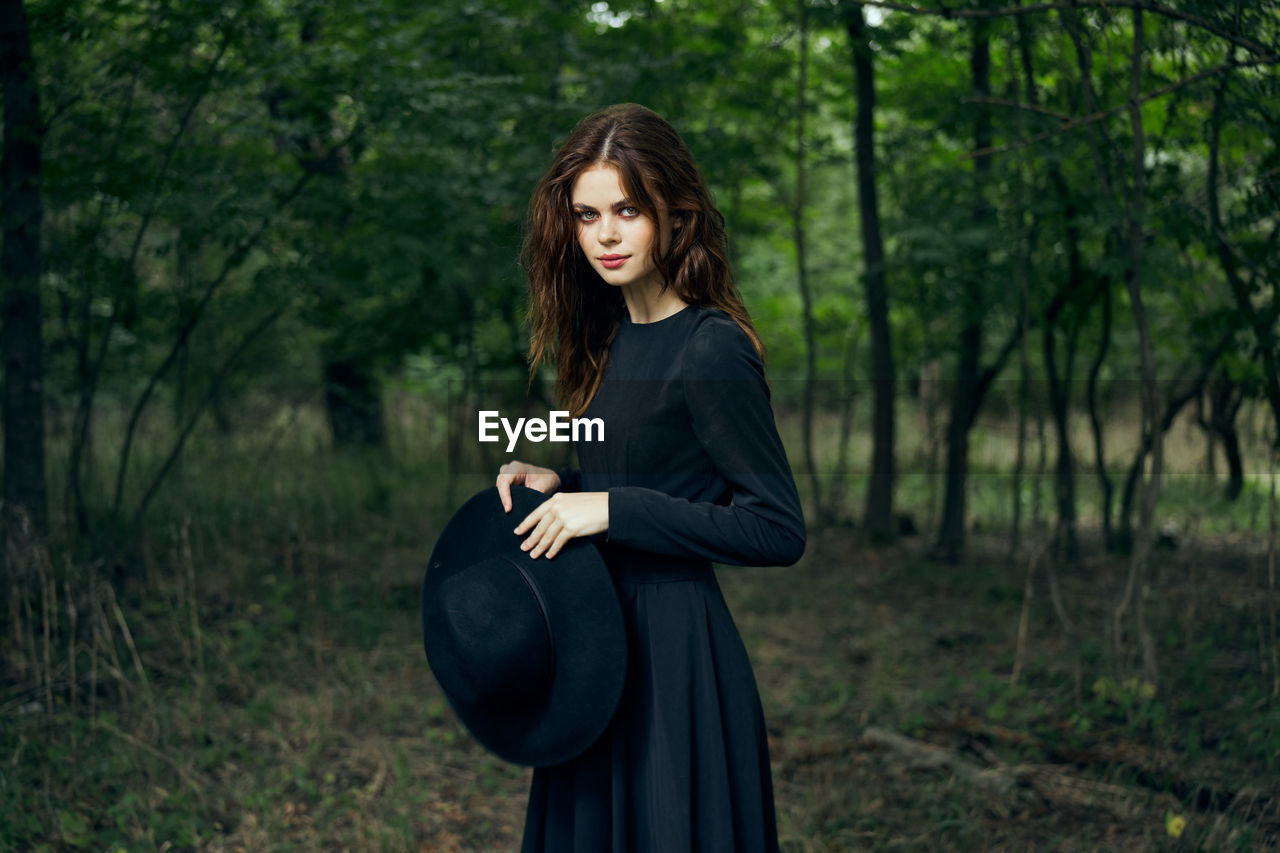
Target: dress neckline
<point x="627" y="321"/>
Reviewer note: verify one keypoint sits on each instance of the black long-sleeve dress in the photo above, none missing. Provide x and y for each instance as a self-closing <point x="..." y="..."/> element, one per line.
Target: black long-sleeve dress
<point x="695" y="473"/>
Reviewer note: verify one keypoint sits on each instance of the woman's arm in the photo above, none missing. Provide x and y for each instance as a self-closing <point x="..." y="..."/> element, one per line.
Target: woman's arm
<point x="728" y="402"/>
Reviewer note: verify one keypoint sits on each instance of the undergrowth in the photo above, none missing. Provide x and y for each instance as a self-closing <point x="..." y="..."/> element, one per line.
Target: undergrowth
<point x="249" y="676"/>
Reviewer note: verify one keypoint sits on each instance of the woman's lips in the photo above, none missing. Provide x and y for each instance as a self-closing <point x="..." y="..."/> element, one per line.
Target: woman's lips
<point x="612" y="262"/>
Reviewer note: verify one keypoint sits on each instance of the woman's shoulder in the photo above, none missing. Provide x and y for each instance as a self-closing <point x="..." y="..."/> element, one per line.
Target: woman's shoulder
<point x="712" y="325"/>
<point x="719" y="348"/>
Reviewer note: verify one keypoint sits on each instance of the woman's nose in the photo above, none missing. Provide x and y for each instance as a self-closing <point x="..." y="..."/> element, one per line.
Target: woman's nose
<point x="608" y="232"/>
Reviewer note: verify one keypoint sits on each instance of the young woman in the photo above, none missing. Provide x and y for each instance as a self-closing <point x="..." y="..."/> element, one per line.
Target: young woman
<point x="633" y="299"/>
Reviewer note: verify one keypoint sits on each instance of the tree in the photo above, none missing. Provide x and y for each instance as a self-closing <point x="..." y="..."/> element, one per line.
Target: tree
<point x="1150" y="403"/>
<point x="879" y="509"/>
<point x="966" y="393"/>
<point x="21" y="330"/>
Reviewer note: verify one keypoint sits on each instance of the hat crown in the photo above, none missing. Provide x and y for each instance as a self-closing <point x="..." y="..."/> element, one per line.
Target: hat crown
<point x="497" y="630"/>
<point x="531" y="653"/>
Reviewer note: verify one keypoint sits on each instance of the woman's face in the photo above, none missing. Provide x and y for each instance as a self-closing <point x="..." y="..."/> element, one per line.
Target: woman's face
<point x="614" y="235"/>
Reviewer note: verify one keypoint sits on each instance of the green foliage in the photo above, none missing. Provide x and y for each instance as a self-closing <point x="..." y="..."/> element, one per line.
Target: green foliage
<point x="354" y="174"/>
<point x="237" y="193"/>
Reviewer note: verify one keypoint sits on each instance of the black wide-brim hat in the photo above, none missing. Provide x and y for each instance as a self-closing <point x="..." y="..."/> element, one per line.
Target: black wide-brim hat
<point x="531" y="653"/>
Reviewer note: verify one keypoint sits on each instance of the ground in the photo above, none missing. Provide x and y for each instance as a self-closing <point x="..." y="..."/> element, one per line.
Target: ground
<point x="292" y="709"/>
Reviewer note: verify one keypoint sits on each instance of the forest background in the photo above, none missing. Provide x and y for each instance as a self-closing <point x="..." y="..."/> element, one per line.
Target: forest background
<point x="1016" y="266"/>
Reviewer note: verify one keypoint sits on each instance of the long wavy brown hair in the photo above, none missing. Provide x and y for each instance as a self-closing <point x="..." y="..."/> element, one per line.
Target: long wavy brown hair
<point x="573" y="314"/>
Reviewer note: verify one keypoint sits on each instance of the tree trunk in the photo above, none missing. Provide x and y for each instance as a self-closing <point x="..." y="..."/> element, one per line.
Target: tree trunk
<point x="930" y="404"/>
<point x="1210" y="440"/>
<point x="965" y="396"/>
<point x="1260" y="322"/>
<point x="1133" y="279"/>
<point x="951" y="533"/>
<point x="1025" y="270"/>
<point x="879" y="512"/>
<point x="1042" y="465"/>
<point x="353" y="401"/>
<point x="21" y="334"/>
<point x="1095" y="422"/>
<point x="352" y="389"/>
<point x="848" y="399"/>
<point x="1225" y="400"/>
<point x="1024" y="386"/>
<point x="1235" y="466"/>
<point x="1172" y="406"/>
<point x="800" y="202"/>
<point x="1064" y="536"/>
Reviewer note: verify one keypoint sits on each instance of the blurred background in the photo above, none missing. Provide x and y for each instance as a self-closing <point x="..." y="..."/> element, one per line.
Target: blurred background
<point x="1016" y="266"/>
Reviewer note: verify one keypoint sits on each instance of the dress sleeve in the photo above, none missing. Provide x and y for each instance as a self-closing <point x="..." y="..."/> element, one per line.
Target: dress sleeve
<point x="728" y="401"/>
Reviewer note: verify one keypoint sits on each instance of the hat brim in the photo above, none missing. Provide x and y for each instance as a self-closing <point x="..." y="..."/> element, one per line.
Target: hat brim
<point x="583" y="613"/>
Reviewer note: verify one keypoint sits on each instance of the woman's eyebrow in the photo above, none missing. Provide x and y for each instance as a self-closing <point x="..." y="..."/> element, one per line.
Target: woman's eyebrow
<point x="617" y="205"/>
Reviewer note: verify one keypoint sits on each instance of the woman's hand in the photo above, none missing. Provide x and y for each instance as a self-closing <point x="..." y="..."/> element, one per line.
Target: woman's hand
<point x="522" y="473"/>
<point x="563" y="517"/>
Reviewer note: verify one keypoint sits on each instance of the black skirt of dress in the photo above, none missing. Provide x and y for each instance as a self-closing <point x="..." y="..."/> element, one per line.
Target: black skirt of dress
<point x="684" y="766"/>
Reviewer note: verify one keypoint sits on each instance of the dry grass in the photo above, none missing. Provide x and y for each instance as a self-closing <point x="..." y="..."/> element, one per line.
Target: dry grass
<point x="259" y="683"/>
<point x="319" y="728"/>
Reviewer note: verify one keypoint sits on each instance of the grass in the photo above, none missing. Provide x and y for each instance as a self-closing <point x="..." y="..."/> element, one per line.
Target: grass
<point x="258" y="682"/>
<point x="887" y="639"/>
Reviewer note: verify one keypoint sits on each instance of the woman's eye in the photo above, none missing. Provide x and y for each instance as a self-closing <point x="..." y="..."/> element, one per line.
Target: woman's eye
<point x="586" y="215"/>
<point x="630" y="212"/>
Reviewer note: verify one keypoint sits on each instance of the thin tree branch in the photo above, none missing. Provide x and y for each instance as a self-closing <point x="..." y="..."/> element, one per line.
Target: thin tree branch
<point x="1144" y="5"/>
<point x="103" y="70"/>
<point x="232" y="262"/>
<point x="215" y="388"/>
<point x="1173" y="404"/>
<point x="205" y="82"/>
<point x="1031" y="108"/>
<point x="991" y="371"/>
<point x="92" y="370"/>
<point x="90" y="366"/>
<point x="1102" y="114"/>
<point x="1099" y="142"/>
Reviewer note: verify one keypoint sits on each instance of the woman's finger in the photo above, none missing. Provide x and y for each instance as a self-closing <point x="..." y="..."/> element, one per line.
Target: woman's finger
<point x="547" y="539"/>
<point x="507" y="475"/>
<point x="561" y="541"/>
<point x="536" y="535"/>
